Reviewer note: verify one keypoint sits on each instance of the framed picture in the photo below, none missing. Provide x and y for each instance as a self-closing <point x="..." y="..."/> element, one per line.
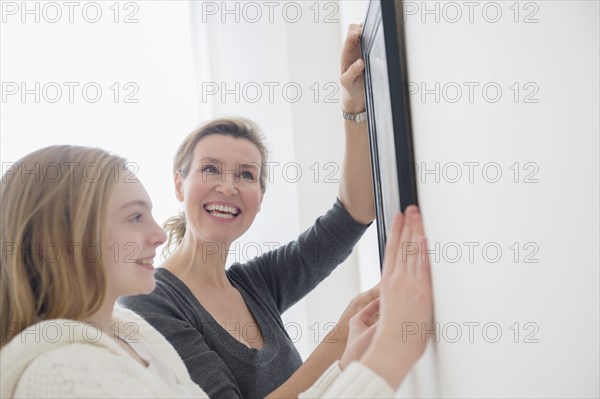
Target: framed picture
<point x="388" y="113"/>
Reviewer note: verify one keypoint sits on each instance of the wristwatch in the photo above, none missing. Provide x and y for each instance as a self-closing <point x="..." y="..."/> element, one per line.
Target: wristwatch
<point x="356" y="118"/>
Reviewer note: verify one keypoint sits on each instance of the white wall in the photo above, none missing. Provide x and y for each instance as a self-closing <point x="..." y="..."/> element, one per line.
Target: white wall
<point x="554" y="136"/>
<point x="552" y="204"/>
<point x="149" y="48"/>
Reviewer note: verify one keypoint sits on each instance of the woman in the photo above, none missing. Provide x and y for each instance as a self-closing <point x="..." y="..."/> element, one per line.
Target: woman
<point x="226" y="324"/>
<point x="75" y="242"/>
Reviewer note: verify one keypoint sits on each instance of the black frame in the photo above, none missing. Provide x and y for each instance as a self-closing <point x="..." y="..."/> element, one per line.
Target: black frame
<point x="383" y="29"/>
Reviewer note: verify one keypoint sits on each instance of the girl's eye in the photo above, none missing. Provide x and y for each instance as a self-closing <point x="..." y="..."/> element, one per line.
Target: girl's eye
<point x="136" y="218"/>
<point x="209" y="169"/>
<point x="247" y="175"/>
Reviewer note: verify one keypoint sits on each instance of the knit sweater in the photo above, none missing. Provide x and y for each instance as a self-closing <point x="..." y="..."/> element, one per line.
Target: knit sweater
<point x="63" y="358"/>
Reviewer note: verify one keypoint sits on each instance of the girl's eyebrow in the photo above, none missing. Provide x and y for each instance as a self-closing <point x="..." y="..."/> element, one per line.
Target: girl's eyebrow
<point x="141" y="203"/>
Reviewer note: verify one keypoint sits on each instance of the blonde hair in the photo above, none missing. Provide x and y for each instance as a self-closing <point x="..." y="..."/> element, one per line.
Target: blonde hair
<point x="53" y="205"/>
<point x="236" y="127"/>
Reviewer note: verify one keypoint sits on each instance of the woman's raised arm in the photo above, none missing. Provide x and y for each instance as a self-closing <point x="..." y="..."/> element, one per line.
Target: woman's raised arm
<point x="356" y="185"/>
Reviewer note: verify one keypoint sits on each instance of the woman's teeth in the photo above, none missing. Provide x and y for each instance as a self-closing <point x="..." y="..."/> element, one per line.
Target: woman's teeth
<point x="222" y="215"/>
<point x="145" y="261"/>
<point x="222" y="211"/>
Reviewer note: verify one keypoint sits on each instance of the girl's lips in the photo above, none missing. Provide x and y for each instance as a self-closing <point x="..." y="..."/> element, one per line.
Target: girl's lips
<point x="146" y="263"/>
<point x="146" y="266"/>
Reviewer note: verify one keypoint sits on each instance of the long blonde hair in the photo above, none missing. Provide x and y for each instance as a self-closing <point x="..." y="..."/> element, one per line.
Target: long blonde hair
<point x="53" y="205"/>
<point x="236" y="127"/>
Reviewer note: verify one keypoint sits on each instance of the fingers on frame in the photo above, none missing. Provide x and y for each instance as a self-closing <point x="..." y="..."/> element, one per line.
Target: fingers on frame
<point x="359" y="65"/>
<point x="422" y="261"/>
<point x="416" y="237"/>
<point x="393" y="244"/>
<point x="407" y="246"/>
<point x="354" y="33"/>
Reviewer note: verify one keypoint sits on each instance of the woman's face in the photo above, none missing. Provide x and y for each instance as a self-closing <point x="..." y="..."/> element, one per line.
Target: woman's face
<point x="132" y="239"/>
<point x="221" y="193"/>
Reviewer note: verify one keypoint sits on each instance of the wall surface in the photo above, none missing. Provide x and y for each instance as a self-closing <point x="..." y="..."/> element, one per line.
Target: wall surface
<point x="505" y="100"/>
<point x="113" y="75"/>
<point x="505" y="110"/>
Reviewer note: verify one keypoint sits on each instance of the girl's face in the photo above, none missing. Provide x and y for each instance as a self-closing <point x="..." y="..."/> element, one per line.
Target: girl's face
<point x="132" y="239"/>
<point x="221" y="193"/>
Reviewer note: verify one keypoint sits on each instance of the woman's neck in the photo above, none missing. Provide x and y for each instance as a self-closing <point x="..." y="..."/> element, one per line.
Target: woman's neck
<point x="202" y="262"/>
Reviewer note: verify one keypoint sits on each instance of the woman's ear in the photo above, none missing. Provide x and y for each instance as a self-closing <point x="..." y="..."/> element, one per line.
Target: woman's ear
<point x="178" y="186"/>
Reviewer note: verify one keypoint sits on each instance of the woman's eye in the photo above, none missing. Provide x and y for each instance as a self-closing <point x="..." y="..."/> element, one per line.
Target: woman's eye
<point x="136" y="218"/>
<point x="247" y="175"/>
<point x="209" y="169"/>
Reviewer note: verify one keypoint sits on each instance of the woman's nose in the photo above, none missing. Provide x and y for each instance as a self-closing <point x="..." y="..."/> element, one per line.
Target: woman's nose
<point x="228" y="184"/>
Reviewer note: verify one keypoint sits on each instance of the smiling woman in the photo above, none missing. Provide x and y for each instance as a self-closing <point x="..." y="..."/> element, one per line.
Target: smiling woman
<point x="208" y="163"/>
<point x="218" y="181"/>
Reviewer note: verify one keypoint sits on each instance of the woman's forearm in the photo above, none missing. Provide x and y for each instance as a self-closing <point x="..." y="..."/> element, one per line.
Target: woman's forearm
<point x="356" y="185"/>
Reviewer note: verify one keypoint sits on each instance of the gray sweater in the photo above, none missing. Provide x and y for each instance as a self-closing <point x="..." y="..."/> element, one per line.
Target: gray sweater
<point x="269" y="284"/>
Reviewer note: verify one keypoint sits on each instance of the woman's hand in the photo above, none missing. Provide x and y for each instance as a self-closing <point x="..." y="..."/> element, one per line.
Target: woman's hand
<point x="352" y="67"/>
<point x="343" y="328"/>
<point x="362" y="329"/>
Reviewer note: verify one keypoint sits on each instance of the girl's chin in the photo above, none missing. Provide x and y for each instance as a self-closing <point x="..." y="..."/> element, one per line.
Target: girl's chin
<point x="145" y="289"/>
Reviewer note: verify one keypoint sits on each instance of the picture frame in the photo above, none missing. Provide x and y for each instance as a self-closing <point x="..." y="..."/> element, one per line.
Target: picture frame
<point x="388" y="113"/>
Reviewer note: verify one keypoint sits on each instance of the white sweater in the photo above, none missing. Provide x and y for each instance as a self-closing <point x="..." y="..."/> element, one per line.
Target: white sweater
<point x="69" y="359"/>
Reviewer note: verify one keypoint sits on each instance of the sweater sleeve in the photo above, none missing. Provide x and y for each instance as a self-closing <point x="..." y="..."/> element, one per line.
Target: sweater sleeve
<point x="317" y="390"/>
<point x="186" y="335"/>
<point x="84" y="371"/>
<point x="356" y="381"/>
<point x="293" y="270"/>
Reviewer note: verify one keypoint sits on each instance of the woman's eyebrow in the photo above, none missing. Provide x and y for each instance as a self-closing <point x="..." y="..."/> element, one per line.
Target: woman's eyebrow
<point x="210" y="159"/>
<point x="253" y="165"/>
